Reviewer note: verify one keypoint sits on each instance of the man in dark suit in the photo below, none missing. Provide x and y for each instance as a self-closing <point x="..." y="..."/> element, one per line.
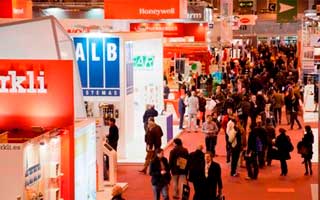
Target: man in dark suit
<point x="196" y="173"/>
<point x="182" y="110"/>
<point x="212" y="178"/>
<point x="113" y="136"/>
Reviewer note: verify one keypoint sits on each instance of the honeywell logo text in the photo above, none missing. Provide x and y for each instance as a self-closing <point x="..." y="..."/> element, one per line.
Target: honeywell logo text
<point x="170" y="11"/>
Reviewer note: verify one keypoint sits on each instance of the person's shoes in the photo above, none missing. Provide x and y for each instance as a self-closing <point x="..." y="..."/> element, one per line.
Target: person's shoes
<point x="306" y="173"/>
<point x="248" y="178"/>
<point x="143" y="171"/>
<point x="235" y="174"/>
<point x="311" y="172"/>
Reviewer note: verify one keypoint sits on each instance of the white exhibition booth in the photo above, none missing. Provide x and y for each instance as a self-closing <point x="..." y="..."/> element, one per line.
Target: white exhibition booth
<point x="120" y="74"/>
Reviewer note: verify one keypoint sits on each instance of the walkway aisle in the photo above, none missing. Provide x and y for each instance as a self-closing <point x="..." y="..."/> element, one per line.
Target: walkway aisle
<point x="270" y="185"/>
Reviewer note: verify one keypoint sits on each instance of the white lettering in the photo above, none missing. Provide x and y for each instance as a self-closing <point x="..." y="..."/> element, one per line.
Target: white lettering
<point x="143" y="11"/>
<point x="194" y="16"/>
<point x="79" y="52"/>
<point x="94" y="52"/>
<point x="111" y="52"/>
<point x="3" y="82"/>
<point x="31" y="82"/>
<point x="40" y="79"/>
<point x="18" y="11"/>
<point x="16" y="81"/>
<point x="16" y="86"/>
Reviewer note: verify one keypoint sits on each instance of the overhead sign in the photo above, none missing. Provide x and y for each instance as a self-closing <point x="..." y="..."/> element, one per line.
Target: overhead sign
<point x="246" y="4"/>
<point x="195" y="13"/>
<point x="195" y="30"/>
<point x="286" y="11"/>
<point x="36" y="93"/>
<point x="247" y="19"/>
<point x="272" y="7"/>
<point x="98" y="60"/>
<point x="143" y="62"/>
<point x="15" y="9"/>
<point x="141" y="9"/>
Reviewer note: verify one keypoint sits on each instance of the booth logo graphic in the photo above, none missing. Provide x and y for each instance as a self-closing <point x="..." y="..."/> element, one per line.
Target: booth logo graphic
<point x="99" y="65"/>
<point x="145" y="62"/>
<point x="17" y="84"/>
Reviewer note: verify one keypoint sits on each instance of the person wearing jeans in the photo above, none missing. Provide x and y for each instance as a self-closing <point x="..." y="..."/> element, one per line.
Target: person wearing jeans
<point x="160" y="173"/>
<point x="178" y="165"/>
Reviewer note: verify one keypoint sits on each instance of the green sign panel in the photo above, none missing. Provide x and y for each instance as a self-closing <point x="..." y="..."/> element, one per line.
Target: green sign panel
<point x="287" y="11"/>
<point x="146" y="62"/>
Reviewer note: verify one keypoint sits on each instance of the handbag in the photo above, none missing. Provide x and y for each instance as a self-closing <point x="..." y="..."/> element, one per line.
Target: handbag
<point x="182" y="162"/>
<point x="185" y="191"/>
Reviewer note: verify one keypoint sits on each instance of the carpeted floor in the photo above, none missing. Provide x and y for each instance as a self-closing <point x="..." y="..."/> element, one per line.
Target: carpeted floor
<point x="270" y="185"/>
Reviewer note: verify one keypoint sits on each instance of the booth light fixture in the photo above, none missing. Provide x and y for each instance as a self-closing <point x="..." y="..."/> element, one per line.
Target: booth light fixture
<point x="200" y="24"/>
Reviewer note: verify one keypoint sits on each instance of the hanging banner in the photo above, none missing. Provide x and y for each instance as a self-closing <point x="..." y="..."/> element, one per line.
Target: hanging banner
<point x="195" y="13"/>
<point x="141" y="9"/>
<point x="15" y="9"/>
<point x="6" y="9"/>
<point x="36" y="93"/>
<point x="173" y="29"/>
<point x="99" y="65"/>
<point x="286" y="11"/>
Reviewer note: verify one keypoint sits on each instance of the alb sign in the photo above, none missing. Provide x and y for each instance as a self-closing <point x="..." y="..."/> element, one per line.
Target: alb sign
<point x="98" y="60"/>
<point x="28" y="83"/>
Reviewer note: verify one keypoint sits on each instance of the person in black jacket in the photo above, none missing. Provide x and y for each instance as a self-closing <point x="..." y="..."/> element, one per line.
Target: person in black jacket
<point x="212" y="178"/>
<point x="283" y="144"/>
<point x="113" y="136"/>
<point x="307" y="142"/>
<point x="251" y="156"/>
<point x="153" y="142"/>
<point x="178" y="165"/>
<point x="196" y="174"/>
<point x="294" y="111"/>
<point x="160" y="176"/>
<point x="182" y="110"/>
<point x="150" y="112"/>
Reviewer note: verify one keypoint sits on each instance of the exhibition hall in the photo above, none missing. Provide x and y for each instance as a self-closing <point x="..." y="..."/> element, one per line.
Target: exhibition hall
<point x="159" y="99"/>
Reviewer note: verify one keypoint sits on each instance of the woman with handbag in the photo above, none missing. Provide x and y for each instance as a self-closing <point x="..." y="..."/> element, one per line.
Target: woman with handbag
<point x="307" y="142"/>
<point x="284" y="147"/>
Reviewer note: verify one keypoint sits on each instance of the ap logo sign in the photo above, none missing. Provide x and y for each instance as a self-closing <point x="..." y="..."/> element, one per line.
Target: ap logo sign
<point x="99" y="65"/>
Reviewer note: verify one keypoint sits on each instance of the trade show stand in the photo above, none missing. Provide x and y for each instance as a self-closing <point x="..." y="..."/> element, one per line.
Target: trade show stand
<point x="34" y="166"/>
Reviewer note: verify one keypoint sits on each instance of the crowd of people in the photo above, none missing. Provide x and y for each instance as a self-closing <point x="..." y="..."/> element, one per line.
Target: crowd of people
<point x="243" y="101"/>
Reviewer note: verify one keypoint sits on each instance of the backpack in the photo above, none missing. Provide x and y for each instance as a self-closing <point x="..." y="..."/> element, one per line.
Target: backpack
<point x="259" y="145"/>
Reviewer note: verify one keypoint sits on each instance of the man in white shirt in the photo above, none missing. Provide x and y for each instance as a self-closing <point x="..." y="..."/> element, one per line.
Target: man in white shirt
<point x="193" y="107"/>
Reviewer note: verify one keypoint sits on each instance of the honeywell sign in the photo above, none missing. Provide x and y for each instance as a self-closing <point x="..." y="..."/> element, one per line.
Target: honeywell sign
<point x="143" y="9"/>
<point x="157" y="12"/>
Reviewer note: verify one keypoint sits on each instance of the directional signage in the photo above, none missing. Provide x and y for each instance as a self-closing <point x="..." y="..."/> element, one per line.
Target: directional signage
<point x="272" y="7"/>
<point x="286" y="11"/>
